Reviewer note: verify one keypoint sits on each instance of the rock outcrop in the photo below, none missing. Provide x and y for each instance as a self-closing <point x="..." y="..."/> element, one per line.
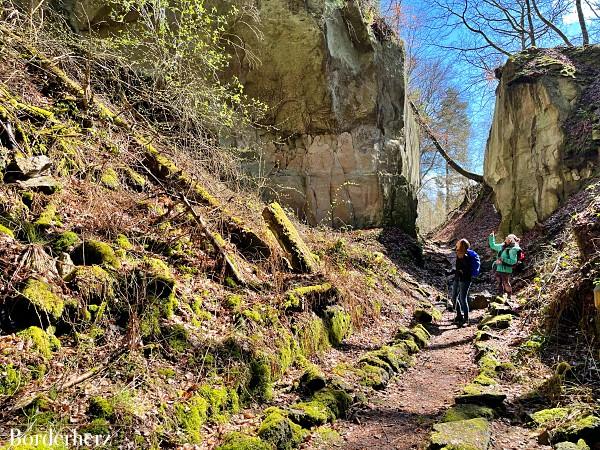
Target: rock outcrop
<point x="545" y="137"/>
<point x="342" y="146"/>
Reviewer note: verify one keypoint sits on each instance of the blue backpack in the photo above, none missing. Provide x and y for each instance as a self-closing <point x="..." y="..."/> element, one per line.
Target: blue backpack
<point x="475" y="262"/>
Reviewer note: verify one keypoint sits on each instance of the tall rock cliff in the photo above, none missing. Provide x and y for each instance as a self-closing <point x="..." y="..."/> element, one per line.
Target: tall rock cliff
<point x="343" y="146"/>
<point x="545" y="136"/>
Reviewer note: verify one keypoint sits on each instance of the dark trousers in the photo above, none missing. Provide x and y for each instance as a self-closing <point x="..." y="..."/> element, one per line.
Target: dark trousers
<point x="460" y="292"/>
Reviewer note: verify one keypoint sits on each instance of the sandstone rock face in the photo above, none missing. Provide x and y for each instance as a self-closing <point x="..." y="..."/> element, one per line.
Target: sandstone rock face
<point x="544" y="139"/>
<point x="341" y="145"/>
<point x="343" y="148"/>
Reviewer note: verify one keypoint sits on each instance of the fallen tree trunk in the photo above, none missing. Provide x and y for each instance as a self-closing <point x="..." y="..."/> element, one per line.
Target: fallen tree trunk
<point x="465" y="173"/>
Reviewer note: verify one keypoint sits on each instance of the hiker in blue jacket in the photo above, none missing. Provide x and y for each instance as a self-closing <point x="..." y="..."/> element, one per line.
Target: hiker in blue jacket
<point x="463" y="275"/>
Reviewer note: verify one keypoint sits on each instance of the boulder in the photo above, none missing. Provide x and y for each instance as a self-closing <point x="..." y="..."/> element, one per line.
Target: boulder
<point x="580" y="445"/>
<point x="480" y="300"/>
<point x="496" y="322"/>
<point x="468" y="411"/>
<point x="478" y="394"/>
<point x="472" y="434"/>
<point x="25" y="168"/>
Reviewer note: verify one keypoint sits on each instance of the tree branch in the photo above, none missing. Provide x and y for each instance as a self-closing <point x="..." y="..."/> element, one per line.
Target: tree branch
<point x="465" y="173"/>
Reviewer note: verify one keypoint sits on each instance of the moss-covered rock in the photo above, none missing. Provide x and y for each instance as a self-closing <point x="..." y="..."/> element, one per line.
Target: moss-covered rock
<point x="312" y="380"/>
<point x="312" y="335"/>
<point x="48" y="217"/>
<point x="191" y="417"/>
<point x="586" y="427"/>
<point x="427" y="313"/>
<point x="110" y="179"/>
<point x="468" y="411"/>
<point x="325" y="406"/>
<point x="338" y="323"/>
<point x="93" y="252"/>
<point x="374" y="376"/>
<point x="177" y="337"/>
<point x="102" y="408"/>
<point x="280" y="431"/>
<point x="580" y="445"/>
<point x="308" y="297"/>
<point x="40" y="298"/>
<point x="134" y="179"/>
<point x="481" y="395"/>
<point x="472" y="434"/>
<point x="93" y="283"/>
<point x="42" y="343"/>
<point x="123" y="243"/>
<point x="496" y="322"/>
<point x="418" y="333"/>
<point x="260" y="385"/>
<point x="286" y="233"/>
<point x="65" y="241"/>
<point x="240" y="441"/>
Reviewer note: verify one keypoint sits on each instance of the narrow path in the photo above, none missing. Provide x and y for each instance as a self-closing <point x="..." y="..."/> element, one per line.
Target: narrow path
<point x="401" y="416"/>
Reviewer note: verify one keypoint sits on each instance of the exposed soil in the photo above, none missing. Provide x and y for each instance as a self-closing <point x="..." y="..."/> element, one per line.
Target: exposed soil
<point x="400" y="416"/>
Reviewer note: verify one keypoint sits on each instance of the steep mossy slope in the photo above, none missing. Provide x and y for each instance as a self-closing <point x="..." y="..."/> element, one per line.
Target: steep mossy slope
<point x="143" y="298"/>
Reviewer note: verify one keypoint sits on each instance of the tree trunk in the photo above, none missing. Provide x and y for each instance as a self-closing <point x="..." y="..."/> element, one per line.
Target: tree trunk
<point x="581" y="17"/>
<point x="465" y="173"/>
<point x="530" y="25"/>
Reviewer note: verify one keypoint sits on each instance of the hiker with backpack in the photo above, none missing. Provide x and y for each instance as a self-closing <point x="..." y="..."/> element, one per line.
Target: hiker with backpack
<point x="466" y="267"/>
<point x="509" y="255"/>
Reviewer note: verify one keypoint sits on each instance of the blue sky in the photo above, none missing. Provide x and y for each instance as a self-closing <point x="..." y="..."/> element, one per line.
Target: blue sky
<point x="428" y="35"/>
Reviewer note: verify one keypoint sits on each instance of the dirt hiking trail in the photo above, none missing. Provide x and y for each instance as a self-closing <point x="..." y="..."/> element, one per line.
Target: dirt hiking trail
<point x="401" y="416"/>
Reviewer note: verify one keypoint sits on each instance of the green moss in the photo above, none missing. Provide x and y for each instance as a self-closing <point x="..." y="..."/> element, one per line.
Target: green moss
<point x="6" y="231"/>
<point x="481" y="395"/>
<point x="10" y="380"/>
<point x="312" y="336"/>
<point x="310" y="414"/>
<point x="240" y="441"/>
<point x="427" y="313"/>
<point x="160" y="283"/>
<point x="295" y="298"/>
<point x="260" y="385"/>
<point x="134" y="179"/>
<point x="94" y="284"/>
<point x="217" y="398"/>
<point x="312" y="380"/>
<point x="468" y="411"/>
<point x="252" y="315"/>
<point x="177" y="337"/>
<point x="484" y="380"/>
<point x="586" y="427"/>
<point x="234" y="302"/>
<point x="472" y="434"/>
<point x="110" y="179"/>
<point x="286" y="233"/>
<point x="36" y="441"/>
<point x="191" y="417"/>
<point x="580" y="445"/>
<point x="40" y="295"/>
<point x="123" y="242"/>
<point x="549" y="416"/>
<point x="48" y="217"/>
<point x="43" y="343"/>
<point x="496" y="322"/>
<point x="93" y="252"/>
<point x="97" y="427"/>
<point x="374" y="376"/>
<point x="338" y="323"/>
<point x="280" y="431"/>
<point x="65" y="241"/>
<point x="101" y="408"/>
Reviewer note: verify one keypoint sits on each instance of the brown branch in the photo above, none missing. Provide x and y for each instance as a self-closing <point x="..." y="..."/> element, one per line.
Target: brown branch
<point x="465" y="173"/>
<point x="553" y="27"/>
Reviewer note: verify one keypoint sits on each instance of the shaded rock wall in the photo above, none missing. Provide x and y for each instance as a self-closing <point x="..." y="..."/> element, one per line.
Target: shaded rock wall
<point x="545" y="136"/>
<point x="343" y="148"/>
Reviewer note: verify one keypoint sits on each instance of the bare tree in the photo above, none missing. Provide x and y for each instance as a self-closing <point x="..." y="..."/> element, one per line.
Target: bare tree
<point x="581" y="17"/>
